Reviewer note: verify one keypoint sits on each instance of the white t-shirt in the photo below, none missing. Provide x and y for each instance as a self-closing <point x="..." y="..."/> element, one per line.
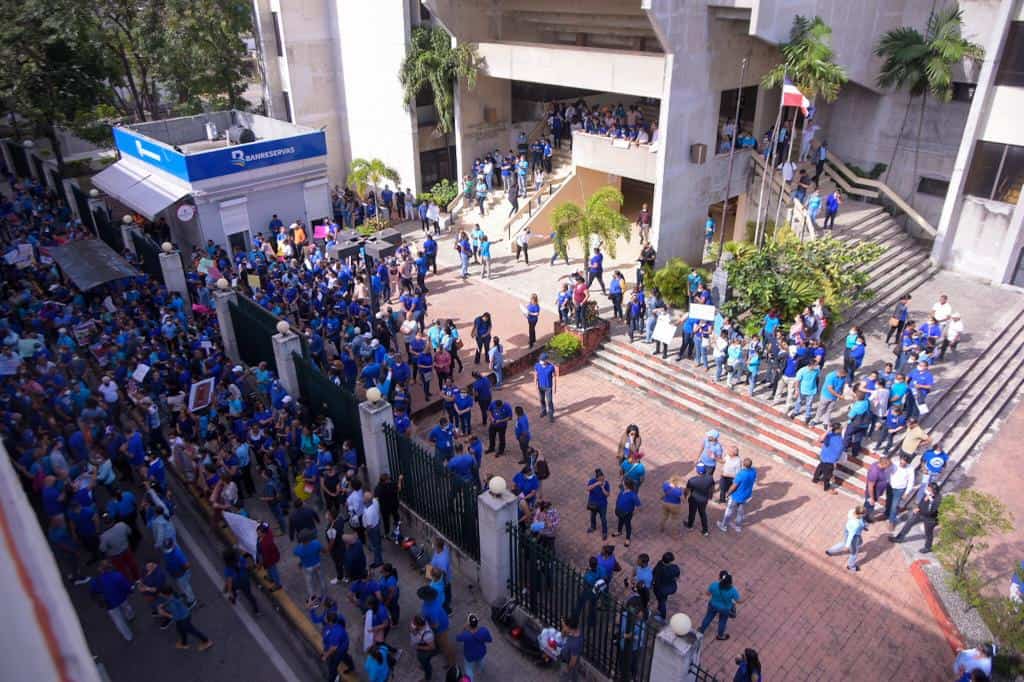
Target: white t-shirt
<point x="942" y="311"/>
<point x="109" y="392"/>
<point x="731" y="466"/>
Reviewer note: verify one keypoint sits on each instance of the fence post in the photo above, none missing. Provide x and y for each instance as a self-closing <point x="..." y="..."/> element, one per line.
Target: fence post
<point x="372" y="418"/>
<point x="174" y="274"/>
<point x="221" y="299"/>
<point x="286" y="343"/>
<point x="673" y="655"/>
<point x="494" y="513"/>
<point x="126" y="234"/>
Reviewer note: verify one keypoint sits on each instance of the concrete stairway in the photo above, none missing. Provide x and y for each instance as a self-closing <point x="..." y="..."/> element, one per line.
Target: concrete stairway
<point x="752" y="422"/>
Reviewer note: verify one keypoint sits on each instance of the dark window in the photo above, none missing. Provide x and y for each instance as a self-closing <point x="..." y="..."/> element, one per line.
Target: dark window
<point x="963" y="92"/>
<point x="277" y="33"/>
<point x="933" y="187"/>
<point x="727" y="116"/>
<point x="1017" y="279"/>
<point x="424" y="97"/>
<point x="436" y="165"/>
<point x="424" y="12"/>
<point x="287" y="106"/>
<point x="1011" y="63"/>
<point x="997" y="172"/>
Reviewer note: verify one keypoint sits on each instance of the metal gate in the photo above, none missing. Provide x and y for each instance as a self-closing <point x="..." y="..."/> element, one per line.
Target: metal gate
<point x="254" y="327"/>
<point x="149" y="253"/>
<point x="323" y="397"/>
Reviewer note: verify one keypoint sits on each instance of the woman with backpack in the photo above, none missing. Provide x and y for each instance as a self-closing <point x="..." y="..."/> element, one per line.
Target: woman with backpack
<point x="722" y="603"/>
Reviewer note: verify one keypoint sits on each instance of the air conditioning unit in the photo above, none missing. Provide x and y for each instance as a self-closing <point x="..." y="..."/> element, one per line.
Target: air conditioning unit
<point x="698" y="153"/>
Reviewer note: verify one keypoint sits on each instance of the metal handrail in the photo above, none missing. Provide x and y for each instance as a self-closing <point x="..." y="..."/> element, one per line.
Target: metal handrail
<point x="528" y="207"/>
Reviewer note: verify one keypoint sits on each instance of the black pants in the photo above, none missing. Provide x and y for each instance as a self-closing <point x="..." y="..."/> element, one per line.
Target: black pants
<point x="499" y="431"/>
<point x="185" y="628"/>
<point x="946" y="345"/>
<point x="724" y="484"/>
<point x="824" y="473"/>
<point x="336" y="659"/>
<point x="695" y="509"/>
<point x="483" y="345"/>
<point x="819" y="168"/>
<point x="830" y="220"/>
<point x="625" y="521"/>
<point x="524" y="251"/>
<point x="897" y="331"/>
<point x="617" y="306"/>
<point x="929" y="529"/>
<point x="483" y="411"/>
<point x="246" y="590"/>
<point x="387" y="517"/>
<point x="532" y="323"/>
<point x="599" y="276"/>
<point x="524" y="446"/>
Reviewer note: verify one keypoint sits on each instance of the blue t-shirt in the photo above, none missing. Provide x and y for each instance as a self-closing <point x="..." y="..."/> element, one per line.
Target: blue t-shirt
<point x="308" y="553"/>
<point x="744" y="483"/>
<point x="441" y="438"/>
<point x="832" y="448"/>
<point x="626" y="502"/>
<point x="545" y="374"/>
<point x="598" y="497"/>
<point x="934" y="461"/>
<point x="723" y="600"/>
<point x="671" y="494"/>
<point x="474" y="643"/>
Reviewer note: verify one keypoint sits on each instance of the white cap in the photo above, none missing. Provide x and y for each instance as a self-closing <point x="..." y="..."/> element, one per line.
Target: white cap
<point x="374" y="343"/>
<point x="237" y="368"/>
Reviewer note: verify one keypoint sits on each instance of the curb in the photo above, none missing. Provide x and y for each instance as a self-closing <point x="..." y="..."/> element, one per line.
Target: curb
<point x="950" y="632"/>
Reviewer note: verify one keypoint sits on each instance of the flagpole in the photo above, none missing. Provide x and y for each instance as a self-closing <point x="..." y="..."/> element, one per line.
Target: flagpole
<point x="732" y="155"/>
<point x="789" y="157"/>
<point x="769" y="168"/>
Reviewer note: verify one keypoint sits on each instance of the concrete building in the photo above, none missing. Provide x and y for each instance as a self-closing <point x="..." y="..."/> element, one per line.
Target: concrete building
<point x="980" y="231"/>
<point x="219" y="176"/>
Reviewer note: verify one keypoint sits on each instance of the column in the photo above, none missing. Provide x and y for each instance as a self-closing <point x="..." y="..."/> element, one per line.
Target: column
<point x="174" y="276"/>
<point x="221" y="299"/>
<point x="284" y="346"/>
<point x="673" y="655"/>
<point x="126" y="235"/>
<point x="495" y="512"/>
<point x="372" y="418"/>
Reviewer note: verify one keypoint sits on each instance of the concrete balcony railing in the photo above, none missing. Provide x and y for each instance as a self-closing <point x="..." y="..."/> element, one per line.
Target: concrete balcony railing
<point x="618" y="157"/>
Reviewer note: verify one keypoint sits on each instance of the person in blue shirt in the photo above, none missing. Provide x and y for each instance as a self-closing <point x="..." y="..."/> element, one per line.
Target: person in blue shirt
<point x="308" y="554"/>
<point x="114" y="590"/>
<point x="501" y="414"/>
<point x="463" y="464"/>
<point x="598" y="491"/>
<point x="546" y="376"/>
<point x="481" y="388"/>
<point x="831" y="392"/>
<point x="238" y="578"/>
<point x="443" y="438"/>
<point x="626" y="503"/>
<point x="528" y="484"/>
<point x="616" y="289"/>
<point x="740" y="492"/>
<point x="482" y="333"/>
<point x="831" y="452"/>
<point x="807" y="389"/>
<point x="402" y="421"/>
<point x="474" y="639"/>
<point x="895" y="423"/>
<point x="934" y="460"/>
<point x="463" y="404"/>
<point x="921" y="383"/>
<point x="425" y="367"/>
<point x="595" y="269"/>
<point x="522" y="433"/>
<point x="724" y="598"/>
<point x="335" y="645"/>
<point x="532" y="316"/>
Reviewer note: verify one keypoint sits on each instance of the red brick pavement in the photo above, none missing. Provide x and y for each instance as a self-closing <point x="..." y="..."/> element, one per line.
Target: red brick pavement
<point x="809" y="617"/>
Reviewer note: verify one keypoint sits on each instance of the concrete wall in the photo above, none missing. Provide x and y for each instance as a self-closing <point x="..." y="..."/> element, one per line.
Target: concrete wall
<point x="475" y="135"/>
<point x="576" y="190"/>
<point x="984" y="243"/>
<point x="374" y="38"/>
<point x="638" y="162"/>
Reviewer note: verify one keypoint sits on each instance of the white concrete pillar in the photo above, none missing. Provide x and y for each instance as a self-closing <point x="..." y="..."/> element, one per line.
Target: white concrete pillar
<point x="8" y="157"/>
<point x="126" y="235"/>
<point x="284" y="346"/>
<point x="372" y="418"/>
<point x="495" y="512"/>
<point x="174" y="276"/>
<point x="673" y="655"/>
<point x="221" y="299"/>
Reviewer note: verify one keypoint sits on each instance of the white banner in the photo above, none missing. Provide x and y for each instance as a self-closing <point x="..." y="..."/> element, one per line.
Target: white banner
<point x="664" y="330"/>
<point x="701" y="311"/>
<point x="244" y="529"/>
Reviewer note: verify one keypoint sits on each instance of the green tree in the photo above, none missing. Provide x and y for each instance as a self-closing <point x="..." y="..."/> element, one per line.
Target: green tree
<point x="923" y="64"/>
<point x="966" y="518"/>
<point x="601" y="216"/>
<point x="671" y="280"/>
<point x="807" y="61"/>
<point x="365" y="175"/>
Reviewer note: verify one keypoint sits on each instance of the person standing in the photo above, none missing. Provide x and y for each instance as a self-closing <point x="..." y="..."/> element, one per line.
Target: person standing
<point x="722" y="603"/>
<point x="699" y="490"/>
<point x="671" y="501"/>
<point x="496" y="361"/>
<point x="616" y="289"/>
<point x="237" y="578"/>
<point x="371" y="523"/>
<point x="532" y="312"/>
<point x="831" y="452"/>
<point x="308" y="553"/>
<point x="482" y="333"/>
<point x="852" y="538"/>
<point x="474" y="639"/>
<point x="643" y="224"/>
<point x="730" y="467"/>
<point x="710" y="452"/>
<point x="831" y="392"/>
<point x="268" y="554"/>
<point x="898" y="319"/>
<point x="421" y="637"/>
<point x="664" y="583"/>
<point x="572" y="649"/>
<point x="927" y="513"/>
<point x="739" y="494"/>
<point x="832" y="203"/>
<point x="114" y="589"/>
<point x="934" y="460"/>
<point x="500" y="413"/>
<point x="522" y="433"/>
<point x="626" y="504"/>
<point x="546" y="375"/>
<point x="807" y="383"/>
<point x="901" y="480"/>
<point x="598" y="491"/>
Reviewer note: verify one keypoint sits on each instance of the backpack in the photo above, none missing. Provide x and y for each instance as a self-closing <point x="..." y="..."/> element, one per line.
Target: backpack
<point x="541" y="469"/>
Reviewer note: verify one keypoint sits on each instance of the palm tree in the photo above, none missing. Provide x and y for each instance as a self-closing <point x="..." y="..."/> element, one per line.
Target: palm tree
<point x="364" y="175"/>
<point x="601" y="216"/>
<point x="431" y="63"/>
<point x="923" y="64"/>
<point x="807" y="61"/>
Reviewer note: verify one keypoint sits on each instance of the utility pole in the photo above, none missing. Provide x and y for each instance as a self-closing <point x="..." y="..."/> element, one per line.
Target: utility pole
<point x="719" y="280"/>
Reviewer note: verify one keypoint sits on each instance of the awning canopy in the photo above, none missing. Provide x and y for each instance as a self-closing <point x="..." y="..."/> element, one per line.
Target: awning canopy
<point x="90" y="263"/>
<point x="145" y="192"/>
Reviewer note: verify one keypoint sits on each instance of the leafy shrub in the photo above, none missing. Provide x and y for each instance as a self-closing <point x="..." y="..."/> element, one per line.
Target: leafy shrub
<point x="565" y="346"/>
<point x="444" y="192"/>
<point x="769" y="230"/>
<point x="671" y="280"/>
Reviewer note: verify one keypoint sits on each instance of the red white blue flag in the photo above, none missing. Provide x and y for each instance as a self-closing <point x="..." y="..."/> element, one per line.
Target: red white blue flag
<point x="792" y="97"/>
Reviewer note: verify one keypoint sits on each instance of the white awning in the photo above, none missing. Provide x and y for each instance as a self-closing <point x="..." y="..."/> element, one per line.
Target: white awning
<point x="147" y="193"/>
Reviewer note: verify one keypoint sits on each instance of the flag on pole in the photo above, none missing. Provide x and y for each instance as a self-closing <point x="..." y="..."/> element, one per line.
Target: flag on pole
<point x="792" y="97"/>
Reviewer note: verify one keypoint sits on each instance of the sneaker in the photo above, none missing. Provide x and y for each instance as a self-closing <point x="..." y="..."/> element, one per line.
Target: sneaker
<point x="334" y="581"/>
<point x="179" y="645"/>
<point x="737" y="529"/>
<point x="722" y="527"/>
<point x="706" y="534"/>
<point x="205" y="645"/>
<point x="82" y="581"/>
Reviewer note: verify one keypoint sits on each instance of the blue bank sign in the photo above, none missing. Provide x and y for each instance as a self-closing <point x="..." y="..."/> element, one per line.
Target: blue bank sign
<point x="220" y="162"/>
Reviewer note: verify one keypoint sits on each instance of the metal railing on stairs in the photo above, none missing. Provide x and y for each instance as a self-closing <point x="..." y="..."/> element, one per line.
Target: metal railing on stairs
<point x="795" y="213"/>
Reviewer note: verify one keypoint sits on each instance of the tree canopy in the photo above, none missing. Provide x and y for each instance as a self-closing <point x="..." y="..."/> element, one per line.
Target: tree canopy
<point x="433" y="65"/>
<point x="807" y="61"/>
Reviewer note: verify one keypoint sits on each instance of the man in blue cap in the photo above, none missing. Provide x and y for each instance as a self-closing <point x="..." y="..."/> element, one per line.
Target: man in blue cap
<point x="547" y="380"/>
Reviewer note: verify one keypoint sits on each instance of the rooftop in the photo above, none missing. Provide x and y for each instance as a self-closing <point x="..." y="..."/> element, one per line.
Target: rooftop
<point x="216" y="130"/>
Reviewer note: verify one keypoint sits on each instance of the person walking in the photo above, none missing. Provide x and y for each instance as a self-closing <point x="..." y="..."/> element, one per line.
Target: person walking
<point x="740" y="493"/>
<point x="174" y="609"/>
<point x="699" y="490"/>
<point x="308" y="553"/>
<point x="474" y="639"/>
<point x="671" y="501"/>
<point x="421" y="638"/>
<point x="664" y="583"/>
<point x="852" y="537"/>
<point x="831" y="452"/>
<point x="730" y="467"/>
<point x="832" y="203"/>
<point x="268" y="554"/>
<point x="927" y="514"/>
<point x="722" y="604"/>
<point x="598" y="491"/>
<point x="807" y="384"/>
<point x="831" y="392"/>
<point x="114" y="589"/>
<point x="901" y="480"/>
<point x="616" y="290"/>
<point x="748" y="667"/>
<point x="180" y="570"/>
<point x="711" y="451"/>
<point x="532" y="313"/>
<point x="898" y="319"/>
<point x="237" y="578"/>
<point x="595" y="270"/>
<point x="626" y="503"/>
<point x="546" y="376"/>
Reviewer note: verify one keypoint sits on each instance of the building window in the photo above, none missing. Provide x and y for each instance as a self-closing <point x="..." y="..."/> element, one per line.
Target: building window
<point x="435" y="165"/>
<point x="277" y="33"/>
<point x="997" y="172"/>
<point x="963" y="92"/>
<point x="1011" y="63"/>
<point x="287" y="106"/>
<point x="727" y="130"/>
<point x="933" y="187"/>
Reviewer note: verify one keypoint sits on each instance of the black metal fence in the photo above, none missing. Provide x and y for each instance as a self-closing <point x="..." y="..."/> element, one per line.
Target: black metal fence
<point x="430" y="489"/>
<point x="254" y="328"/>
<point x="149" y="253"/>
<point x="699" y="674"/>
<point x="323" y="397"/>
<point x="617" y="639"/>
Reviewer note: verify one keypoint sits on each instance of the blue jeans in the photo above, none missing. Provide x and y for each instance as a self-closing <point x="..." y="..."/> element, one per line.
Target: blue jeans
<point x="473" y="668"/>
<point x="373" y="535"/>
<point x="464" y="258"/>
<point x="465" y="421"/>
<point x="274" y="575"/>
<point x="719" y="368"/>
<point x="723" y="620"/>
<point x="652" y="322"/>
<point x="599" y="513"/>
<point x="547" y="401"/>
<point x="800" y="398"/>
<point x="894" y="506"/>
<point x="753" y="382"/>
<point x="702" y="354"/>
<point x="499" y="374"/>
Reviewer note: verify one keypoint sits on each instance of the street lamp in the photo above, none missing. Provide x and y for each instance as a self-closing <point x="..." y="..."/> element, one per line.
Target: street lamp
<point x="373" y="395"/>
<point x="167" y="247"/>
<point x="127" y="219"/>
<point x="283" y="327"/>
<point x="497" y="486"/>
<point x="94" y="192"/>
<point x="681" y="624"/>
<point x="222" y="284"/>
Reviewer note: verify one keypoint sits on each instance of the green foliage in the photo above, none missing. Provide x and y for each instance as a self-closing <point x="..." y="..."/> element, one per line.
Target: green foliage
<point x="602" y="217"/>
<point x="431" y="63"/>
<point x="965" y="519"/>
<point x="565" y="346"/>
<point x="751" y="231"/>
<point x="366" y="229"/>
<point x="807" y="61"/>
<point x="671" y="280"/>
<point x="788" y="274"/>
<point x="444" y="192"/>
<point x="364" y="175"/>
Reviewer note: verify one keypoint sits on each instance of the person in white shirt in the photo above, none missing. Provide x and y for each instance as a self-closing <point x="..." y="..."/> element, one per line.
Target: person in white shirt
<point x="901" y="480"/>
<point x="951" y="336"/>
<point x="788" y="171"/>
<point x="642" y="137"/>
<point x="9" y="362"/>
<point x="434" y="216"/>
<point x="371" y="525"/>
<point x="355" y="504"/>
<point x="942" y="311"/>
